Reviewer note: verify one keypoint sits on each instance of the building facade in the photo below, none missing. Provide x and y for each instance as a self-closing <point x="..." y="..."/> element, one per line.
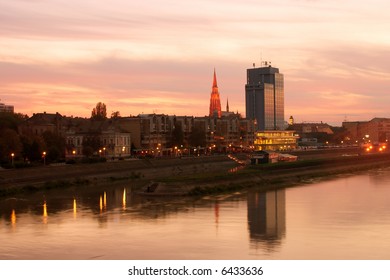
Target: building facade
<point x="313" y="134"/>
<point x="103" y="138"/>
<point x="6" y="108"/>
<point x="264" y="98"/>
<point x="275" y="140"/>
<point x="40" y="123"/>
<point x="376" y="130"/>
<point x="220" y="134"/>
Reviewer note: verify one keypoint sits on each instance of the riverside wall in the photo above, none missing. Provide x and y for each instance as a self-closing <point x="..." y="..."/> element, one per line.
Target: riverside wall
<point x="311" y="164"/>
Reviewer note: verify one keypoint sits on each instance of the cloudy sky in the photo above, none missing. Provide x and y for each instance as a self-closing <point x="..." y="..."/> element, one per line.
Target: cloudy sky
<point x="159" y="56"/>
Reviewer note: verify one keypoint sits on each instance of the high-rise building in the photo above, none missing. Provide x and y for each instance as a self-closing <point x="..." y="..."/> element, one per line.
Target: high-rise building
<point x="215" y="101"/>
<point x="264" y="97"/>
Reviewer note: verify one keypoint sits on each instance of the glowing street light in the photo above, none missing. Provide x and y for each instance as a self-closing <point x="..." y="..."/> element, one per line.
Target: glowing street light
<point x="12" y="158"/>
<point x="44" y="158"/>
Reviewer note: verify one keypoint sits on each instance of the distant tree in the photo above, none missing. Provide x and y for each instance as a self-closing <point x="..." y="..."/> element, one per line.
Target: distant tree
<point x="339" y="134"/>
<point x="177" y="135"/>
<point x="9" y="143"/>
<point x="99" y="112"/>
<point x="87" y="151"/>
<point x="33" y="147"/>
<point x="133" y="148"/>
<point x="11" y="120"/>
<point x="55" y="145"/>
<point x="115" y="115"/>
<point x="91" y="145"/>
<point x="198" y="137"/>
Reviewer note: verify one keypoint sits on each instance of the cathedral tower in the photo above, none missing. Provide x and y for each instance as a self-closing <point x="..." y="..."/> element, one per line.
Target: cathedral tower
<point x="215" y="102"/>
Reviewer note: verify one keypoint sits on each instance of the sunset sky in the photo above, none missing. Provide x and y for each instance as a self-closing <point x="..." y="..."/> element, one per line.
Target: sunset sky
<point x="159" y="56"/>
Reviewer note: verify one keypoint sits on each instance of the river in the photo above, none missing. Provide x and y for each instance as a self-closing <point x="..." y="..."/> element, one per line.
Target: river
<point x="346" y="217"/>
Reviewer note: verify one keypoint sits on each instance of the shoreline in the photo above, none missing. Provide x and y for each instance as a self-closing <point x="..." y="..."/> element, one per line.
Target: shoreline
<point x="273" y="176"/>
<point x="190" y="176"/>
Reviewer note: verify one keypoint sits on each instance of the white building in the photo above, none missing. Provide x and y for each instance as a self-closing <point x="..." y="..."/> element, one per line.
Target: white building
<point x="6" y="108"/>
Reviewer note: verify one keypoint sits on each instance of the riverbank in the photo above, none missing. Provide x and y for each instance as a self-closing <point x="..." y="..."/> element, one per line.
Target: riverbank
<point x="271" y="176"/>
<point x="137" y="171"/>
<point x="188" y="176"/>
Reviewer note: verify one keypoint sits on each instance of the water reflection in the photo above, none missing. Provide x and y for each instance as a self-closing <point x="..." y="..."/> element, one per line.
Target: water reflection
<point x="124" y="199"/>
<point x="13" y="217"/>
<point x="216" y="213"/>
<point x="339" y="219"/>
<point x="74" y="208"/>
<point x="267" y="217"/>
<point x="44" y="212"/>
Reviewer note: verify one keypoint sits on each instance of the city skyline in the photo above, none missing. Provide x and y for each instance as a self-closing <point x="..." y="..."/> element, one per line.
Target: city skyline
<point x="144" y="58"/>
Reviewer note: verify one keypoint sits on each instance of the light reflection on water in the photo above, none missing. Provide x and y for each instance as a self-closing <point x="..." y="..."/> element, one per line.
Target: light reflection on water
<point x="345" y="218"/>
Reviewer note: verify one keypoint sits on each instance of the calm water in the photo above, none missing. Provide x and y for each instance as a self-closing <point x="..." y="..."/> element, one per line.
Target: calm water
<point x="344" y="218"/>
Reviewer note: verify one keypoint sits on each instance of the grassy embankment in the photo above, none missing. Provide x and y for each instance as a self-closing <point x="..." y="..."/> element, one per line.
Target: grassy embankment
<point x="197" y="176"/>
<point x="271" y="176"/>
<point x="139" y="172"/>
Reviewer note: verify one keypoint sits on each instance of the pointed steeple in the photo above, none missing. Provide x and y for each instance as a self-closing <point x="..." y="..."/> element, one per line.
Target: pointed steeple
<point x="215" y="80"/>
<point x="227" y="105"/>
<point x="215" y="102"/>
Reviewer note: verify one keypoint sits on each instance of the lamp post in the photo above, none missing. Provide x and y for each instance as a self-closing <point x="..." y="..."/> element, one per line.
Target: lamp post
<point x="122" y="153"/>
<point x="12" y="159"/>
<point x="44" y="158"/>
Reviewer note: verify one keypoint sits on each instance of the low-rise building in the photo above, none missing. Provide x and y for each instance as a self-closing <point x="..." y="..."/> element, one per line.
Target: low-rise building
<point x="100" y="138"/>
<point x="376" y="130"/>
<point x="39" y="123"/>
<point x="312" y="134"/>
<point x="275" y="140"/>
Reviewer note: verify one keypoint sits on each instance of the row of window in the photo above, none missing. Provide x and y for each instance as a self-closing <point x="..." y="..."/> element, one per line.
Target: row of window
<point x="123" y="141"/>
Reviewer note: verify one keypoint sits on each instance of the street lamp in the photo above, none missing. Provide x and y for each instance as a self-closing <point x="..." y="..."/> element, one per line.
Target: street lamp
<point x="12" y="158"/>
<point x="44" y="158"/>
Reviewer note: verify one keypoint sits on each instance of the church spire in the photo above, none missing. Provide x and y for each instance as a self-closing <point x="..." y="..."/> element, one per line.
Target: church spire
<point x="227" y="105"/>
<point x="215" y="80"/>
<point x="215" y="102"/>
